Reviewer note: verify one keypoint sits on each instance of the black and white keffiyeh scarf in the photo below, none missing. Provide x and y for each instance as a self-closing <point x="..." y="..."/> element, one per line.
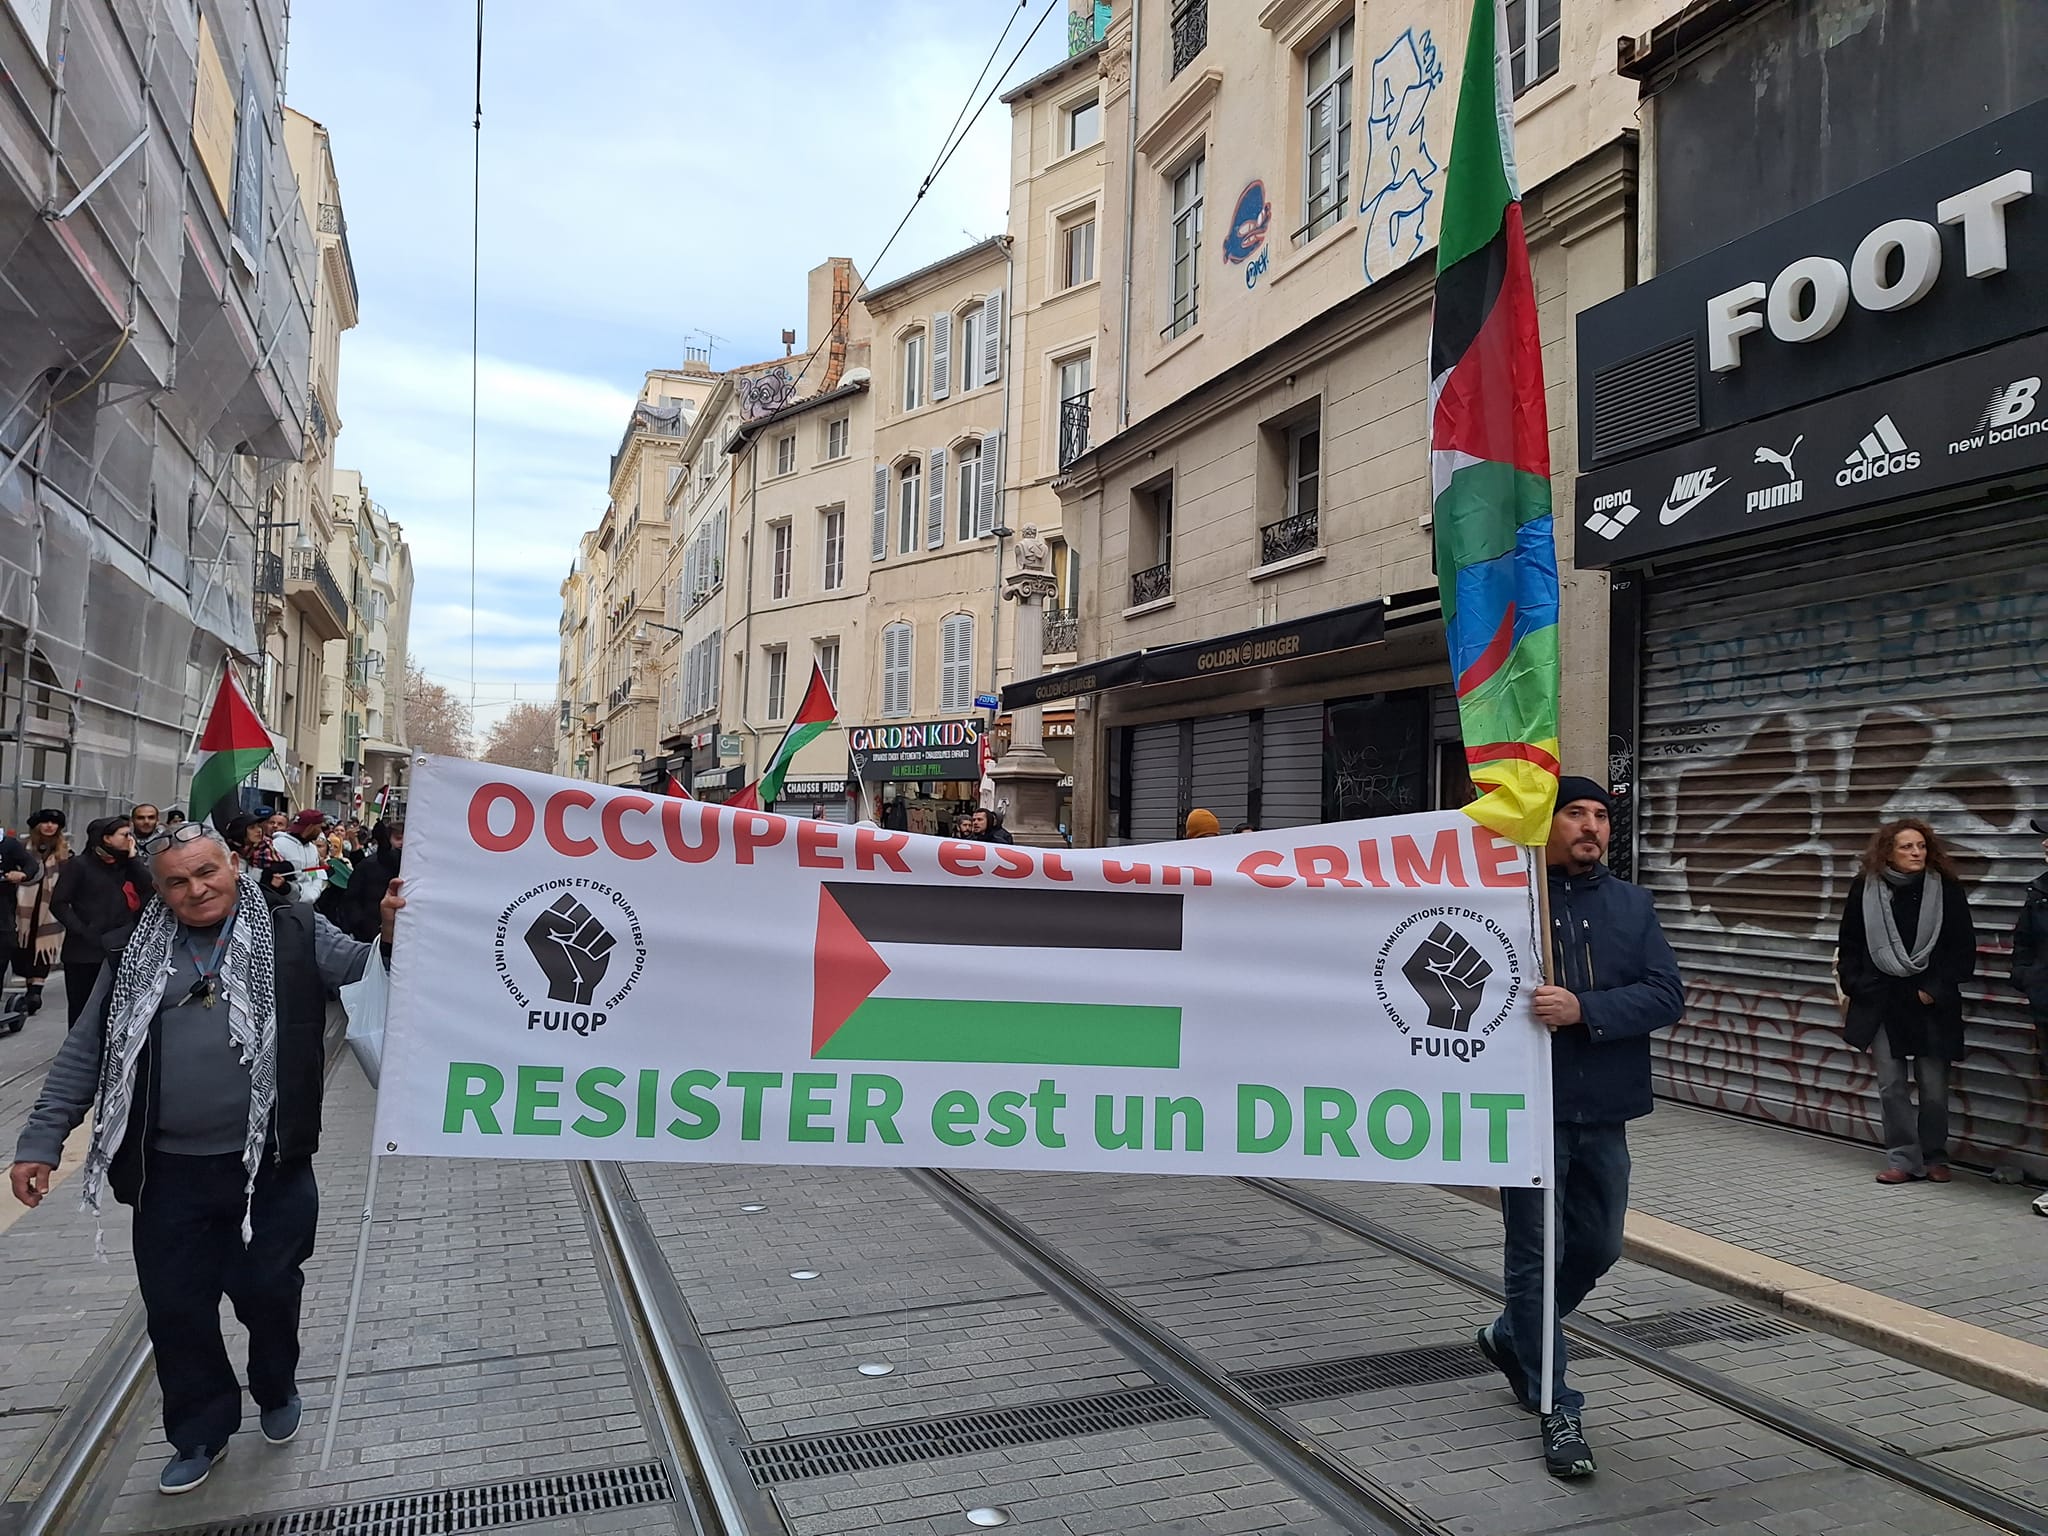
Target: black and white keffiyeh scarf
<point x="248" y="979"/>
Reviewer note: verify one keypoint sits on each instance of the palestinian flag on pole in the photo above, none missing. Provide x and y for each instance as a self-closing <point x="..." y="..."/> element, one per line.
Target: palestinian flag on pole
<point x="377" y="806"/>
<point x="814" y="716"/>
<point x="917" y="973"/>
<point x="233" y="746"/>
<point x="1489" y="451"/>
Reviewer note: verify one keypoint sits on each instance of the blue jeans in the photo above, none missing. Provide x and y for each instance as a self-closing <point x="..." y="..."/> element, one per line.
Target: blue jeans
<point x="1592" y="1200"/>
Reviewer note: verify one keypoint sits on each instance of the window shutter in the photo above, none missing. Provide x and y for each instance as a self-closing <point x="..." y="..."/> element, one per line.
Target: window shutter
<point x="896" y="669"/>
<point x="991" y="338"/>
<point x="881" y="512"/>
<point x="942" y="356"/>
<point x="985" y="511"/>
<point x="935" y="499"/>
<point x="956" y="663"/>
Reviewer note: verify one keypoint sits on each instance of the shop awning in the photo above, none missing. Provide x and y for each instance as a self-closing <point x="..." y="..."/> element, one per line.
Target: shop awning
<point x="1338" y="629"/>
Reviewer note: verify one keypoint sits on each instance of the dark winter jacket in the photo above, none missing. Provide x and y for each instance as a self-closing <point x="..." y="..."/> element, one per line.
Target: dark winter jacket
<point x="2030" y="949"/>
<point x="361" y="913"/>
<point x="14" y="859"/>
<point x="1608" y="948"/>
<point x="1878" y="1000"/>
<point x="98" y="904"/>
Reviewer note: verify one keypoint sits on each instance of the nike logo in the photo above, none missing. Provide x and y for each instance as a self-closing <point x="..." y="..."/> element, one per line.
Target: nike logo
<point x="1687" y="492"/>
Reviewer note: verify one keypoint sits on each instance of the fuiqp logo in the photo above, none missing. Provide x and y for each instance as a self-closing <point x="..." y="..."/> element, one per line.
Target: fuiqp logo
<point x="1447" y="977"/>
<point x="573" y="942"/>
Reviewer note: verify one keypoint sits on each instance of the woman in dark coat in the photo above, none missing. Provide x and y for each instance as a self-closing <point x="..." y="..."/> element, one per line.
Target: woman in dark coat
<point x="366" y="886"/>
<point x="100" y="893"/>
<point x="1908" y="944"/>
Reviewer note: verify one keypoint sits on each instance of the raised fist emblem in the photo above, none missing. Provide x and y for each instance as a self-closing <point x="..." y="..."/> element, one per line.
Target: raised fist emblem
<point x="1449" y="974"/>
<point x="573" y="948"/>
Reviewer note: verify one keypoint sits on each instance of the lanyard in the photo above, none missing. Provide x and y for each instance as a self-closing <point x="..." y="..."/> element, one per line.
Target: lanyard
<point x="210" y="966"/>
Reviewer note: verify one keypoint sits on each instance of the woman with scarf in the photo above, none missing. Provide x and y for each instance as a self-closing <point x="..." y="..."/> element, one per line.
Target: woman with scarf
<point x="99" y="896"/>
<point x="1908" y="943"/>
<point x="38" y="936"/>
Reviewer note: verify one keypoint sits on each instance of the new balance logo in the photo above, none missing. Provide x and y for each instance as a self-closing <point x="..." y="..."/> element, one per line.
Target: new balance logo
<point x="1687" y="492"/>
<point x="2008" y="415"/>
<point x="1882" y="452"/>
<point x="1612" y="513"/>
<point x="1794" y="488"/>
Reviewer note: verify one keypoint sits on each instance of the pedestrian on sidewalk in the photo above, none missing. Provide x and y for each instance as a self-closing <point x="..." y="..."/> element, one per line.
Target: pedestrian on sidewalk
<point x="17" y="868"/>
<point x="2030" y="950"/>
<point x="1908" y="943"/>
<point x="99" y="896"/>
<point x="38" y="936"/>
<point x="1613" y="981"/>
<point x="200" y="1058"/>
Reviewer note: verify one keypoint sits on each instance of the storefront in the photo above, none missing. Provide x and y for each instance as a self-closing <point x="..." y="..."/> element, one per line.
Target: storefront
<point x="917" y="775"/>
<point x="1820" y="479"/>
<point x="819" y="799"/>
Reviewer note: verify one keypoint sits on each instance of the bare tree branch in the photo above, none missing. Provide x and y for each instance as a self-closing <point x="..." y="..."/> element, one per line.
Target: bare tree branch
<point x="435" y="720"/>
<point x="524" y="738"/>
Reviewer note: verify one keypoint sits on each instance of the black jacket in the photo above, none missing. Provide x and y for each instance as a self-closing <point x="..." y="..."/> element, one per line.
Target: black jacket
<point x="1878" y="1000"/>
<point x="1608" y="948"/>
<point x="361" y="913"/>
<point x="2030" y="948"/>
<point x="14" y="859"/>
<point x="91" y="901"/>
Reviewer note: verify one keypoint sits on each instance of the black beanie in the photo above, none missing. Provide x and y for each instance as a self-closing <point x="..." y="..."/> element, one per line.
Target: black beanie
<point x="1571" y="787"/>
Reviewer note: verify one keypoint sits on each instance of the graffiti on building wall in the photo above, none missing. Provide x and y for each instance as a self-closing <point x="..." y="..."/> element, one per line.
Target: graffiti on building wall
<point x="763" y="394"/>
<point x="1244" y="244"/>
<point x="1400" y="172"/>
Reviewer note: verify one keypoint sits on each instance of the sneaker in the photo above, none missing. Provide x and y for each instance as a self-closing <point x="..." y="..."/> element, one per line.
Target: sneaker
<point x="1937" y="1173"/>
<point x="32" y="1000"/>
<point x="2041" y="1205"/>
<point x="187" y="1470"/>
<point x="1565" y="1452"/>
<point x="282" y="1422"/>
<point x="1510" y="1368"/>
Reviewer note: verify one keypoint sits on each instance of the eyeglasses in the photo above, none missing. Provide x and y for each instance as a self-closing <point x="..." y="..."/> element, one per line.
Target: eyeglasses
<point x="183" y="832"/>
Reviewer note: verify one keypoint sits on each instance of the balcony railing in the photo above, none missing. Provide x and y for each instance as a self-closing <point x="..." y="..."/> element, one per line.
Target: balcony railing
<point x="1074" y="426"/>
<point x="1190" y="32"/>
<point x="332" y="222"/>
<point x="269" y="574"/>
<point x="310" y="567"/>
<point x="1291" y="536"/>
<point x="1062" y="630"/>
<point x="1151" y="584"/>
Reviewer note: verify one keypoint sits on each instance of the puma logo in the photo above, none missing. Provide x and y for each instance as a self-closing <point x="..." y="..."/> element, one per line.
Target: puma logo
<point x="1782" y="460"/>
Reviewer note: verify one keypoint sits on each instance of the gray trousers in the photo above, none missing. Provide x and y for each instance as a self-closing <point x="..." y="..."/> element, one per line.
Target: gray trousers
<point x="1913" y="1137"/>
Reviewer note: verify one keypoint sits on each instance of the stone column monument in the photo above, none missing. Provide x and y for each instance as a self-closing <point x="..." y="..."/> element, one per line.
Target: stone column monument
<point x="1026" y="779"/>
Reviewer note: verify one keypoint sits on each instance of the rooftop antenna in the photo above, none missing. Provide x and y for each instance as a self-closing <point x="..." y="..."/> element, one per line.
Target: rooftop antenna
<point x="701" y="351"/>
<point x="788" y="342"/>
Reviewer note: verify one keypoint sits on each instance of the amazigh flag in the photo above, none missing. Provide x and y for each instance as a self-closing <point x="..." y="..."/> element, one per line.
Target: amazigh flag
<point x="233" y="746"/>
<point x="917" y="973"/>
<point x="1489" y="453"/>
<point x="814" y="716"/>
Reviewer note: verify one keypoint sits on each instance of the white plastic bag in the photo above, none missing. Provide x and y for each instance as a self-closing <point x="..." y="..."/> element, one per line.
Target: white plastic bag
<point x="364" y="999"/>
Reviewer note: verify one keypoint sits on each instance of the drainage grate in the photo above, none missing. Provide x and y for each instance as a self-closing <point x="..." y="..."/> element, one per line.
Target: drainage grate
<point x="482" y="1507"/>
<point x="890" y="1445"/>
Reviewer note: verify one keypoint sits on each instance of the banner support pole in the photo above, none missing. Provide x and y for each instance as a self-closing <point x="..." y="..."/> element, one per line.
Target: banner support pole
<point x="1539" y="882"/>
<point x="355" y="1302"/>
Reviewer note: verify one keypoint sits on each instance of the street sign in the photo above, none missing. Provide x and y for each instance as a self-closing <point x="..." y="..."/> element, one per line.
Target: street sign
<point x="729" y="746"/>
<point x="987" y="701"/>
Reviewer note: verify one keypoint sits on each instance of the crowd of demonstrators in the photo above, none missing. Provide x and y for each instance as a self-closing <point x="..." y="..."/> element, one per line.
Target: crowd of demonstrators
<point x="99" y="896"/>
<point x="249" y="836"/>
<point x="982" y="825"/>
<point x="303" y="845"/>
<point x="354" y="910"/>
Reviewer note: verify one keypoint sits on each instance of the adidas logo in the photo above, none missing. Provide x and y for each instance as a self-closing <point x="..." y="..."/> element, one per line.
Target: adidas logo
<point x="1882" y="452"/>
<point x="1612" y="513"/>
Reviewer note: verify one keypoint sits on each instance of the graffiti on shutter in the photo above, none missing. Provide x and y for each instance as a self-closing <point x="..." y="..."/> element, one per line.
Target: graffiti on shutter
<point x="881" y="512"/>
<point x="991" y="338"/>
<point x="942" y="356"/>
<point x="935" y="499"/>
<point x="1792" y="702"/>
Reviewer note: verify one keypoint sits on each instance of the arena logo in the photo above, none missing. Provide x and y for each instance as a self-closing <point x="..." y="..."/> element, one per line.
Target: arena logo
<point x="563" y="942"/>
<point x="1448" y="977"/>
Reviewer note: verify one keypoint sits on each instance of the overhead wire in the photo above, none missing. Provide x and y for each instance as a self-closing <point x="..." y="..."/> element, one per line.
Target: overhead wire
<point x="476" y="247"/>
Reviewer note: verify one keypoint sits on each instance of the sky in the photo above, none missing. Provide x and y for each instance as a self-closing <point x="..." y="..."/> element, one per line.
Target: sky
<point x="651" y="174"/>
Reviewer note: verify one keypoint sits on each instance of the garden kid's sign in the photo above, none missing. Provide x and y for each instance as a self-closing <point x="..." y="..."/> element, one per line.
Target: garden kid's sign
<point x="585" y="972"/>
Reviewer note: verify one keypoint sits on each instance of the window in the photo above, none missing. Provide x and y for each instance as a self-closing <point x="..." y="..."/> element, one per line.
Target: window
<point x="1151" y="556"/>
<point x="836" y="433"/>
<point x="1084" y="123"/>
<point x="785" y="454"/>
<point x="675" y="474"/>
<point x="1304" y="470"/>
<point x="1077" y="252"/>
<point x="1187" y="247"/>
<point x="913" y="370"/>
<point x="1532" y="41"/>
<point x="970" y="349"/>
<point x="834" y="541"/>
<point x="1077" y="378"/>
<point x="897" y="641"/>
<point x="782" y="537"/>
<point x="1190" y="31"/>
<point x="909" y="487"/>
<point x="968" y="457"/>
<point x="1326" y="132"/>
<point x="778" y="679"/>
<point x="956" y="663"/>
<point x="827" y="654"/>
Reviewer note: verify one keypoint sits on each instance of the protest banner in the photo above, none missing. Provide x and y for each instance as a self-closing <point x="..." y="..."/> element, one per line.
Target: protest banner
<point x="588" y="972"/>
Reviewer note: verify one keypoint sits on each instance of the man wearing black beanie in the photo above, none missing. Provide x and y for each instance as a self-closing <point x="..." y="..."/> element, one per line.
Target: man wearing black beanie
<point x="1613" y="981"/>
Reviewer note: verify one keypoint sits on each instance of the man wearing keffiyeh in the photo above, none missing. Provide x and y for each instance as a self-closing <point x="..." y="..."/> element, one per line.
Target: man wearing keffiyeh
<point x="200" y="1053"/>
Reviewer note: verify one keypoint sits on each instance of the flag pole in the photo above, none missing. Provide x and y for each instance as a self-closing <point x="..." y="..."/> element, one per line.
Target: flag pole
<point x="1539" y="880"/>
<point x="355" y="1303"/>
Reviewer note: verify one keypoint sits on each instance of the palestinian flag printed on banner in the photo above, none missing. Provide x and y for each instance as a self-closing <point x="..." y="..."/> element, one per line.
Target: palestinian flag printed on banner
<point x="899" y="973"/>
<point x="233" y="746"/>
<point x="1489" y="452"/>
<point x="814" y="716"/>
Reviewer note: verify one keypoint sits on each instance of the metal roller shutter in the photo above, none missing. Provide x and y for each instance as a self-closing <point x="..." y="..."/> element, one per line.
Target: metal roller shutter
<point x="1222" y="763"/>
<point x="1292" y="786"/>
<point x="1155" y="782"/>
<point x="1793" y="700"/>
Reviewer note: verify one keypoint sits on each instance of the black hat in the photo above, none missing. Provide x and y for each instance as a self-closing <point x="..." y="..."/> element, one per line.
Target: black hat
<point x="49" y="813"/>
<point x="1571" y="787"/>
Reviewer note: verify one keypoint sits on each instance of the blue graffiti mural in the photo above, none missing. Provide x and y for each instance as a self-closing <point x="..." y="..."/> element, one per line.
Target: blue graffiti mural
<point x="1400" y="172"/>
<point x="1245" y="241"/>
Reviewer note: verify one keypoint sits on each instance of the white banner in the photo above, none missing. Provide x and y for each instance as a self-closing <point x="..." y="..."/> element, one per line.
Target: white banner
<point x="585" y="972"/>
